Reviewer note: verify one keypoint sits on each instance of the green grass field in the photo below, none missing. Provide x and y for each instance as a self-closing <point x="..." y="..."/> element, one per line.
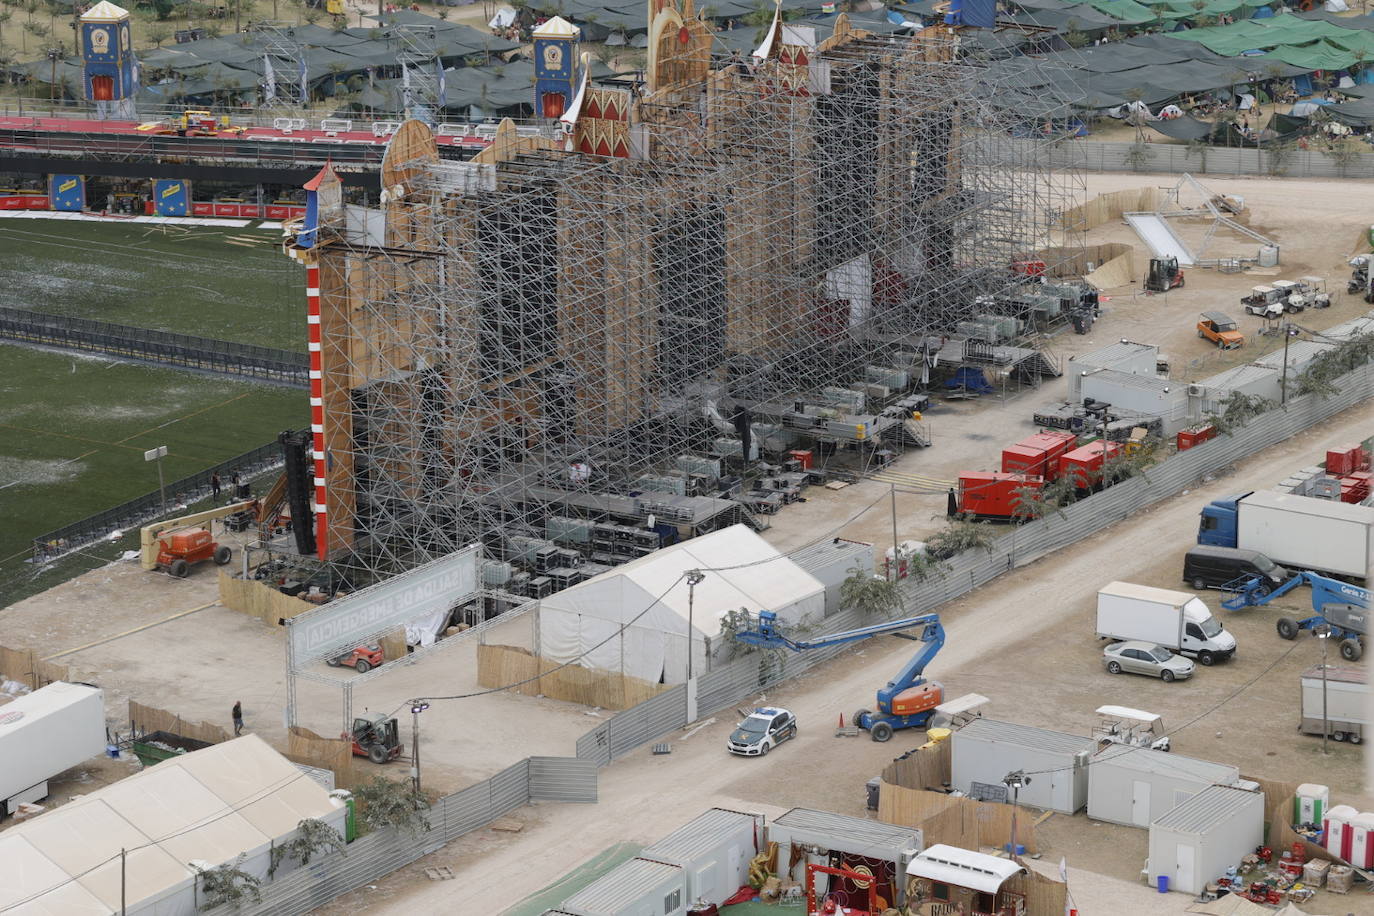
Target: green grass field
<point x="73" y="430"/>
<point x="197" y="280"/>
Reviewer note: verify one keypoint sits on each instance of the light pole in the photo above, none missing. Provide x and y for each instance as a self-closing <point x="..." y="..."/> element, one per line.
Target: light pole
<point x="416" y="707"/>
<point x="1323" y="632"/>
<point x="157" y="454"/>
<point x="895" y="552"/>
<point x="1014" y="781"/>
<point x="694" y="578"/>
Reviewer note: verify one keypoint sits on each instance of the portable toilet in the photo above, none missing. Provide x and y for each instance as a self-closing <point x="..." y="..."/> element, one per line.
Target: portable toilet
<point x="1310" y="803"/>
<point x="1361" y="841"/>
<point x="1339" y="834"/>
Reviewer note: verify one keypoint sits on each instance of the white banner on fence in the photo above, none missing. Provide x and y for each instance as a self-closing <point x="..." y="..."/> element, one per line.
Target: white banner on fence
<point x="340" y="625"/>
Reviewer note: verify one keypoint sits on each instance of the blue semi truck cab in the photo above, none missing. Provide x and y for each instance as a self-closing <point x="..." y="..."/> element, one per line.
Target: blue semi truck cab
<point x="1217" y="526"/>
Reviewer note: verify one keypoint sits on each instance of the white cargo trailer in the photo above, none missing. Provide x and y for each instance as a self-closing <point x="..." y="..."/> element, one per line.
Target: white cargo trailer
<point x="1176" y="620"/>
<point x="43" y="733"/>
<point x="1347" y="703"/>
<point x="1300" y="532"/>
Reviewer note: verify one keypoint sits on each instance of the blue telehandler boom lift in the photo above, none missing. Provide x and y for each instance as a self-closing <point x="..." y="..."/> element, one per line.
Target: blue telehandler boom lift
<point x="907" y="701"/>
<point x="1342" y="606"/>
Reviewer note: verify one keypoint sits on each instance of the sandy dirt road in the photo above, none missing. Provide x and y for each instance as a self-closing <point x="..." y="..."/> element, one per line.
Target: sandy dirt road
<point x="644" y="797"/>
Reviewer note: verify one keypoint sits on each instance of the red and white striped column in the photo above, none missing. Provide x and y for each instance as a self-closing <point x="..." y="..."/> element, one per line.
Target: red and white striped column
<point x="312" y="317"/>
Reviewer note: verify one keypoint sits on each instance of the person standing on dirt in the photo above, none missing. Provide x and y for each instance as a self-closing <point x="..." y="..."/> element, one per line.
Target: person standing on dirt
<point x="238" y="718"/>
<point x="215" y="486"/>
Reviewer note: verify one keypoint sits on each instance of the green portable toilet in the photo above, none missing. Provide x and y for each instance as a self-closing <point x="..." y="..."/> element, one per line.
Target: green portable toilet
<point x="1310" y="803"/>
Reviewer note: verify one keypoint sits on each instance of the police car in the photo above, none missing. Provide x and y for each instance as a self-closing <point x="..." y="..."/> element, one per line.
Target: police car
<point x="764" y="729"/>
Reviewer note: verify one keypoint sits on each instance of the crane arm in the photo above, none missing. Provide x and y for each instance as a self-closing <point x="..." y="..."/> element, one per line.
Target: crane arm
<point x="767" y="635"/>
<point x="148" y="534"/>
<point x="934" y="638"/>
<point x="1333" y="591"/>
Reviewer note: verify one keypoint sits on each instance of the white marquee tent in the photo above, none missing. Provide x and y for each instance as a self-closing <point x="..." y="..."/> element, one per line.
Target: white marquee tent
<point x="652" y="592"/>
<point x="206" y="807"/>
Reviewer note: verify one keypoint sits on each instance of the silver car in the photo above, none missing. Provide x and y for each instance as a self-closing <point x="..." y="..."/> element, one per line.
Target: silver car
<point x="1146" y="658"/>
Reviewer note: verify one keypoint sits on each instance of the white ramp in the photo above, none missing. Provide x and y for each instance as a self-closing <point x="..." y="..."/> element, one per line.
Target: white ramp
<point x="1154" y="230"/>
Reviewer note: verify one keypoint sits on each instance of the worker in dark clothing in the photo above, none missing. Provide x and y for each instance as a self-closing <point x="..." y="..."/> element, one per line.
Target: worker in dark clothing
<point x="215" y="486"/>
<point x="238" y="718"/>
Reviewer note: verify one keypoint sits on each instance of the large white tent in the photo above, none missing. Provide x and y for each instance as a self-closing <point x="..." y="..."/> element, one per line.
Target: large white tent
<point x="741" y="571"/>
<point x="208" y="807"/>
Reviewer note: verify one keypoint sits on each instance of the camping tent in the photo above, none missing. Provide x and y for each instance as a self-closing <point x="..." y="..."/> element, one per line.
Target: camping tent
<point x="649" y="598"/>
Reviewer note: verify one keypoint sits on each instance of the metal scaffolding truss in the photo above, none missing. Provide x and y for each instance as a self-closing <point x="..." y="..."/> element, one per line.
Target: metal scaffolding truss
<point x="776" y="252"/>
<point x="422" y="72"/>
<point x="284" y="80"/>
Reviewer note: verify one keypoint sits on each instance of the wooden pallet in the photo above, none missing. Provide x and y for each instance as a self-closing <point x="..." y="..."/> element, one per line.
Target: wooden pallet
<point x="440" y="873"/>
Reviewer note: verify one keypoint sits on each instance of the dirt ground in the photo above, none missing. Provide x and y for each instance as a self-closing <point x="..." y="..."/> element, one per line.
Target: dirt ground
<point x="1025" y="642"/>
<point x="1022" y="640"/>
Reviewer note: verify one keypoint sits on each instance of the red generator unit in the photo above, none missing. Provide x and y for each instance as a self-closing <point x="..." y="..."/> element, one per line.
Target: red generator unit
<point x="1038" y="454"/>
<point x="1024" y="459"/>
<point x="1056" y="443"/>
<point x="992" y="494"/>
<point x="1194" y="436"/>
<point x="1084" y="464"/>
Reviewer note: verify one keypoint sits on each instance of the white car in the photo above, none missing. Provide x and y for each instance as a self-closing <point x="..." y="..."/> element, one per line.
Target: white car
<point x="764" y="729"/>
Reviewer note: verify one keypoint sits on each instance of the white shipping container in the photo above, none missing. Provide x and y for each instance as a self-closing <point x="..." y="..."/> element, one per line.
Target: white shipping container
<point x="714" y="851"/>
<point x="984" y="751"/>
<point x="1197" y="841"/>
<point x="1136" y="786"/>
<point x="1302" y="532"/>
<point x="45" y="732"/>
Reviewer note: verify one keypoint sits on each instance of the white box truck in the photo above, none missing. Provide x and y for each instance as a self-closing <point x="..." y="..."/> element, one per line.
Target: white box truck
<point x="1347" y="703"/>
<point x="1175" y="620"/>
<point x="1299" y="532"/>
<point x="43" y="733"/>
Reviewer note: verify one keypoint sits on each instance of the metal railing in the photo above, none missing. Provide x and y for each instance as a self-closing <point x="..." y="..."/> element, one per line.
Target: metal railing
<point x="145" y="508"/>
<point x="223" y="357"/>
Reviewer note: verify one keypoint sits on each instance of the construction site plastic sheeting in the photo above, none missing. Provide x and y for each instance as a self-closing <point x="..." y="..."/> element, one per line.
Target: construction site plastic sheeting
<point x="1185" y="128"/>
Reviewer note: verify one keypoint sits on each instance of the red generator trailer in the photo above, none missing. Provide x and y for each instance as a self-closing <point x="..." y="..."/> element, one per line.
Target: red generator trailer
<point x="993" y="495"/>
<point x="1084" y="464"/>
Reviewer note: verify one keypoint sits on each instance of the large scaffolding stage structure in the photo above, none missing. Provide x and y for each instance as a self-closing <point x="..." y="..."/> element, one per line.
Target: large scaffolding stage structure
<point x="736" y="257"/>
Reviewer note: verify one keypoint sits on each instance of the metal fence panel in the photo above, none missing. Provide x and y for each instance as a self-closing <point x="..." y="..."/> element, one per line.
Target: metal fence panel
<point x="224" y="357"/>
<point x="655" y="716"/>
<point x="565" y="779"/>
<point x="466" y="810"/>
<point x="510" y="788"/>
<point x="1213" y="160"/>
<point x="595" y="745"/>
